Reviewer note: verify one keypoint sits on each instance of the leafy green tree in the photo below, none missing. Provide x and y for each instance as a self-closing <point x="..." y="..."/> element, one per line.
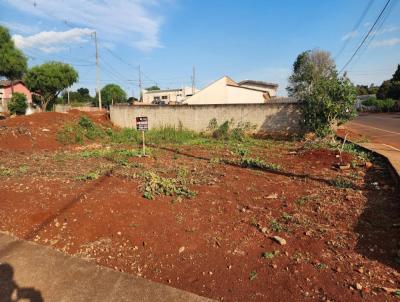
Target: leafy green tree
<point x="83" y="91"/>
<point x="18" y="103"/>
<point x="49" y="79"/>
<point x="110" y="94"/>
<point x="81" y="95"/>
<point x="13" y="63"/>
<point x="396" y="75"/>
<point x="326" y="99"/>
<point x="383" y="90"/>
<point x="152" y="88"/>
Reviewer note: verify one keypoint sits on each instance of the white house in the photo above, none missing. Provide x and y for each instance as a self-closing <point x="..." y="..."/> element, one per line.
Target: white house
<point x="227" y="91"/>
<point x="167" y="96"/>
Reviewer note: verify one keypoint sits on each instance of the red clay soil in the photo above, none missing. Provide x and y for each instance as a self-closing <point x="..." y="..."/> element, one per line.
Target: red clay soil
<point x="38" y="131"/>
<point x="341" y="243"/>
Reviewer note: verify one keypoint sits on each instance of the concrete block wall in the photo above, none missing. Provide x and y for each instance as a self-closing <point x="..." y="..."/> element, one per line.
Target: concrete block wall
<point x="269" y="118"/>
<point x="273" y="118"/>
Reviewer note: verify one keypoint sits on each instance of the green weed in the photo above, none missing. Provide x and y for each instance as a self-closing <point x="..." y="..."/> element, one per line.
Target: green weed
<point x="5" y="171"/>
<point x="302" y="200"/>
<point x="252" y="275"/>
<point x="157" y="185"/>
<point x="342" y="183"/>
<point x="269" y="255"/>
<point x="250" y="162"/>
<point x="321" y="266"/>
<point x="276" y="226"/>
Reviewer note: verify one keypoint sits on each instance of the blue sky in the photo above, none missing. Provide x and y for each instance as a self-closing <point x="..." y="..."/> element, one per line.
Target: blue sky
<point x="257" y="39"/>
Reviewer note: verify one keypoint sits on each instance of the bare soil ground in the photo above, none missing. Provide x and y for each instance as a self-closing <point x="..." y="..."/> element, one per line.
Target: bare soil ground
<point x="341" y="226"/>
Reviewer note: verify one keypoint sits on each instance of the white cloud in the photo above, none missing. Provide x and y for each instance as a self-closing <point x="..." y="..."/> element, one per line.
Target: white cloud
<point x="386" y="30"/>
<point x="385" y="43"/>
<point x="135" y="22"/>
<point x="350" y="35"/>
<point x="53" y="41"/>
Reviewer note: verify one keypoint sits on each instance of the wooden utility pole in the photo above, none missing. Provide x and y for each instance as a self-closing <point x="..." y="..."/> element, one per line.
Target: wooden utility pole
<point x="97" y="71"/>
<point x="193" y="80"/>
<point x="140" y="86"/>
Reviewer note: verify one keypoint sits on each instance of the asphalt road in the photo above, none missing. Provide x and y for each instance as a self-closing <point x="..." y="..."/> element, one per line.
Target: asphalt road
<point x="383" y="128"/>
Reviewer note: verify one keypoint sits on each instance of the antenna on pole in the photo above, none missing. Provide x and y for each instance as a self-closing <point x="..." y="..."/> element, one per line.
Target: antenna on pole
<point x="97" y="70"/>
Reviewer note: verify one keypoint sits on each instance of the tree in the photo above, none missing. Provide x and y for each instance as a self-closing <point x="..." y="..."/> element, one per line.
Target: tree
<point x="326" y="99"/>
<point x="83" y="91"/>
<point x="13" y="63"/>
<point x="383" y="90"/>
<point x="17" y="104"/>
<point x="81" y="95"/>
<point x="49" y="79"/>
<point x="396" y="75"/>
<point x="152" y="88"/>
<point x="310" y="66"/>
<point x="110" y="94"/>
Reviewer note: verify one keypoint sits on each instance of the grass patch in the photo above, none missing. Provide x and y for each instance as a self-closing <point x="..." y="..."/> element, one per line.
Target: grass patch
<point x="302" y="200"/>
<point x="92" y="175"/>
<point x="157" y="185"/>
<point x="251" y="162"/>
<point x="77" y="133"/>
<point x="342" y="183"/>
<point x="269" y="255"/>
<point x="276" y="226"/>
<point x="5" y="172"/>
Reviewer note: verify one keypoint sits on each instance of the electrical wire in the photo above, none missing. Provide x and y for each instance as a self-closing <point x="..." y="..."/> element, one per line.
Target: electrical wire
<point x="355" y="28"/>
<point x="366" y="36"/>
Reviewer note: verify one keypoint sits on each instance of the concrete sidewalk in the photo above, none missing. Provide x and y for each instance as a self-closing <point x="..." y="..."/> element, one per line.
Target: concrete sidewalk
<point x="387" y="151"/>
<point x="35" y="273"/>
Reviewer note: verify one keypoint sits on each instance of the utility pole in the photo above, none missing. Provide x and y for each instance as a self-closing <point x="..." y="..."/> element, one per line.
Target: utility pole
<point x="68" y="96"/>
<point x="140" y="86"/>
<point x="97" y="70"/>
<point x="193" y="80"/>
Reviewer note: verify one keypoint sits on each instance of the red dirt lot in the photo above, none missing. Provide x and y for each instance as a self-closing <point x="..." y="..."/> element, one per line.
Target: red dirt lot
<point x="38" y="131"/>
<point x="341" y="242"/>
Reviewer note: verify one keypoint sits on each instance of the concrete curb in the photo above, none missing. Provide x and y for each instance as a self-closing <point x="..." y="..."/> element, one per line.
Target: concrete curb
<point x="391" y="155"/>
<point x="38" y="273"/>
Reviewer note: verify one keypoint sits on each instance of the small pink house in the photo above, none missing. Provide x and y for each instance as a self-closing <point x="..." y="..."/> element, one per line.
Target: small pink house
<point x="5" y="92"/>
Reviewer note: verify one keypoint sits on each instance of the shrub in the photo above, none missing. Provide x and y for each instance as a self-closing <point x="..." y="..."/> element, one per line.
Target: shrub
<point x="222" y="132"/>
<point x="18" y="104"/>
<point x="386" y="105"/>
<point x="77" y="132"/>
<point x="226" y="132"/>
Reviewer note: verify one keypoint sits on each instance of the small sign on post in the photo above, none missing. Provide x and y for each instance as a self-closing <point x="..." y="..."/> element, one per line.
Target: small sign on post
<point x="142" y="124"/>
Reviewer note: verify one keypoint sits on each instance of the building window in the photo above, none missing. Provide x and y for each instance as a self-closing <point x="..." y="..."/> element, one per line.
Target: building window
<point x="164" y="97"/>
<point x="156" y="98"/>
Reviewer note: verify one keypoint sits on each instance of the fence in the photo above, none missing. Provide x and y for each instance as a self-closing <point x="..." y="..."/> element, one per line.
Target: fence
<point x="274" y="117"/>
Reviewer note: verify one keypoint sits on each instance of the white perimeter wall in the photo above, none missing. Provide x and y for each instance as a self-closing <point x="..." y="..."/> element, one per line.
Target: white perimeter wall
<point x="270" y="118"/>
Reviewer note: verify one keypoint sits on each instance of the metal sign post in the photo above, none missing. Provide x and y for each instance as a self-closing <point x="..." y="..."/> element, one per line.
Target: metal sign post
<point x="142" y="124"/>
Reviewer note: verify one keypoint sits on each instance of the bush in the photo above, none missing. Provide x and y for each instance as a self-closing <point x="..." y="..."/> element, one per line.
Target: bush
<point x="18" y="104"/>
<point x="386" y="105"/>
<point x="225" y="131"/>
<point x="77" y="132"/>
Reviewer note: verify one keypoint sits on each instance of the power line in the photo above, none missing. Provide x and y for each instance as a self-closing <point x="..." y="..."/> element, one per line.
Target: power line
<point x="366" y="36"/>
<point x="355" y="28"/>
<point x="377" y="31"/>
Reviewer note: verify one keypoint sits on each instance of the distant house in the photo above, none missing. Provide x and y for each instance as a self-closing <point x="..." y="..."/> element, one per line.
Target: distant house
<point x="6" y="92"/>
<point x="227" y="91"/>
<point x="167" y="96"/>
